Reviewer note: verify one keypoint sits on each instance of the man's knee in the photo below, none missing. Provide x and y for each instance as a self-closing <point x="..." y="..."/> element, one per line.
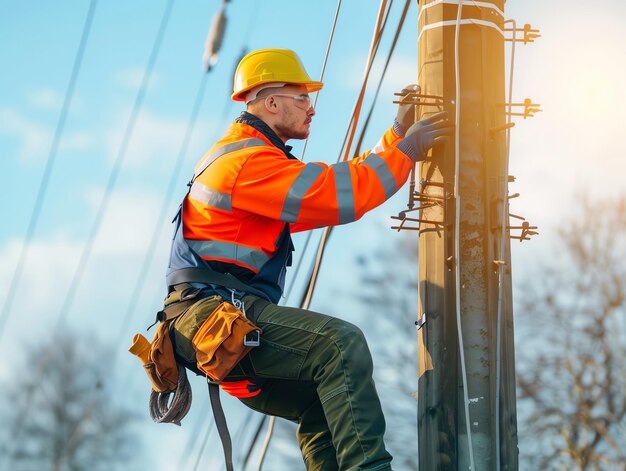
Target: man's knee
<point x="350" y="343"/>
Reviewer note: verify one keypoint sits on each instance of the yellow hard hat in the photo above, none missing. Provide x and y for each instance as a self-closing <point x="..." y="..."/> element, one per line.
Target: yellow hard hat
<point x="268" y="66"/>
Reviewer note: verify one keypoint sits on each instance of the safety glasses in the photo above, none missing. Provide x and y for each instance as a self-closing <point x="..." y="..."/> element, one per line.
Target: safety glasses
<point x="301" y="101"/>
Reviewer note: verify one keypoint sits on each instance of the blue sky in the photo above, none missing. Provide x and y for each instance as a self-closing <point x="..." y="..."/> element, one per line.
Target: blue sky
<point x="575" y="71"/>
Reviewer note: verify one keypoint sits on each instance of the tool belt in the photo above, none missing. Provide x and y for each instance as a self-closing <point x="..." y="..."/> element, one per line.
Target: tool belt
<point x="224" y="337"/>
<point x="220" y="342"/>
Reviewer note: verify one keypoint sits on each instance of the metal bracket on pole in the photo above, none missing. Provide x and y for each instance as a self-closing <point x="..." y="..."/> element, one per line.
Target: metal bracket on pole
<point x="526" y="230"/>
<point x="530" y="34"/>
<point x="420" y="99"/>
<point x="529" y="108"/>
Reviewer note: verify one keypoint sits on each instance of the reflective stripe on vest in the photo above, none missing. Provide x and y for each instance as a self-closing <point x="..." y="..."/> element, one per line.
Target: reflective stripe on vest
<point x="214" y="249"/>
<point x="210" y="197"/>
<point x="345" y="195"/>
<point x="293" y="200"/>
<point x="225" y="149"/>
<point x="383" y="173"/>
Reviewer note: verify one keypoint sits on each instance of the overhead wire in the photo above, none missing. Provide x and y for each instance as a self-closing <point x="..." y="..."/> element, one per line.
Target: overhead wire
<point x="163" y="213"/>
<point x="370" y="113"/>
<point x="67" y="303"/>
<point x="119" y="160"/>
<point x="50" y="161"/>
<point x="255" y="437"/>
<point x="383" y="14"/>
<point x="306" y="142"/>
<point x="457" y="237"/>
<point x="39" y="199"/>
<point x="346" y="146"/>
<point x="210" y="429"/>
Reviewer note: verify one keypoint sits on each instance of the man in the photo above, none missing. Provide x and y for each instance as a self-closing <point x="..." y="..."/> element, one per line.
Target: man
<point x="248" y="194"/>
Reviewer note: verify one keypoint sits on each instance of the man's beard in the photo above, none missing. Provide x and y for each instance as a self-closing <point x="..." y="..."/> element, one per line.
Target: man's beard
<point x="290" y="133"/>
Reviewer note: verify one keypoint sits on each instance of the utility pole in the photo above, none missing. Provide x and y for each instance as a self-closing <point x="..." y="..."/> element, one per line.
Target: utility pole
<point x="466" y="391"/>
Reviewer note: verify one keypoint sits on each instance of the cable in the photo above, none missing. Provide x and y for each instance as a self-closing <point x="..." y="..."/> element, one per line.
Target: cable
<point x="161" y="220"/>
<point x="503" y="224"/>
<point x="255" y="437"/>
<point x="102" y="209"/>
<point x="266" y="443"/>
<point x="457" y="222"/>
<point x="321" y="79"/>
<point x="210" y="429"/>
<point x="270" y="428"/>
<point x="330" y="42"/>
<point x="85" y="255"/>
<point x="346" y="146"/>
<point x="43" y="185"/>
<point x="380" y="24"/>
<point x="382" y="77"/>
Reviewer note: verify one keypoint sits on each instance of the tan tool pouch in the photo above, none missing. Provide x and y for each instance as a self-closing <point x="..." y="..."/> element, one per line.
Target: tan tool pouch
<point x="219" y="342"/>
<point x="158" y="358"/>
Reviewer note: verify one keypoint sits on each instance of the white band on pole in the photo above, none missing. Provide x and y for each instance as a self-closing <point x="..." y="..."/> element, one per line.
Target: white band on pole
<point x="467" y="3"/>
<point x="467" y="21"/>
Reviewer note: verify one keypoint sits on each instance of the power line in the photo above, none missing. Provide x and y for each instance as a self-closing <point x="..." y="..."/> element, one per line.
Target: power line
<point x="378" y="31"/>
<point x="119" y="160"/>
<point x="161" y="220"/>
<point x="381" y="21"/>
<point x="101" y="211"/>
<point x="382" y="76"/>
<point x="45" y="179"/>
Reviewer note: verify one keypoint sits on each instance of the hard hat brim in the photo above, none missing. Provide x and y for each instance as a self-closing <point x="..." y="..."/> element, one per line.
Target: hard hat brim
<point x="312" y="86"/>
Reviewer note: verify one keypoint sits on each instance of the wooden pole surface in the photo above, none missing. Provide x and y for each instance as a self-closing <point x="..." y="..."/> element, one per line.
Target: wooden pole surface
<point x="443" y="431"/>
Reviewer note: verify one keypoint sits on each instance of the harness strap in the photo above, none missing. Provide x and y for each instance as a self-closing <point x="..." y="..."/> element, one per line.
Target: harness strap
<point x="220" y="423"/>
<point x="205" y="275"/>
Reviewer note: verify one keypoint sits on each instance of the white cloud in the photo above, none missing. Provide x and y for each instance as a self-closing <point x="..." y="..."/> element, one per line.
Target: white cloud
<point x="154" y="137"/>
<point x="34" y="139"/>
<point x="45" y="98"/>
<point x="131" y="77"/>
<point x="402" y="70"/>
<point x="108" y="276"/>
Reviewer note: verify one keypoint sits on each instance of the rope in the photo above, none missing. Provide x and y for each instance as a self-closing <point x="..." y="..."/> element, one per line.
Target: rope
<point x="43" y="185"/>
<point x="162" y="411"/>
<point x="457" y="237"/>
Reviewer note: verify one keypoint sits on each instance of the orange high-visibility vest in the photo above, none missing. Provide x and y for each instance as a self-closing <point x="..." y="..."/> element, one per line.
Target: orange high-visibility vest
<point x="246" y="191"/>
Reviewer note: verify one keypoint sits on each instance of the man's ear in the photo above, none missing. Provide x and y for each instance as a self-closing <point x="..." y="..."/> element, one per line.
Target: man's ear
<point x="271" y="105"/>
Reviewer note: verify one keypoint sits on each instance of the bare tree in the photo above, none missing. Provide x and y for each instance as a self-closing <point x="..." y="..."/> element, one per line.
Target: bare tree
<point x="67" y="418"/>
<point x="571" y="347"/>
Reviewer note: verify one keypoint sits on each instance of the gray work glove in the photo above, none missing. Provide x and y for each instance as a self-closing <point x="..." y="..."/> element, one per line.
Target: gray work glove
<point x="424" y="134"/>
<point x="406" y="111"/>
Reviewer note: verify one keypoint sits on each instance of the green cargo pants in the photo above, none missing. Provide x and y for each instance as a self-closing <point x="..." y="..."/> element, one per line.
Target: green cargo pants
<point x="315" y="370"/>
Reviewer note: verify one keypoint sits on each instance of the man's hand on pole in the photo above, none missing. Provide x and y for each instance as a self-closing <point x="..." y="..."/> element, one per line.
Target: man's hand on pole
<point x="407" y="108"/>
<point x="424" y="134"/>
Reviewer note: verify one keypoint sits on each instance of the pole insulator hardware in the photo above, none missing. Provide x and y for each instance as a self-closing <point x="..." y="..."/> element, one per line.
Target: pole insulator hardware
<point x="530" y="34"/>
<point x="420" y="99"/>
<point x="529" y="108"/>
<point x="214" y="38"/>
